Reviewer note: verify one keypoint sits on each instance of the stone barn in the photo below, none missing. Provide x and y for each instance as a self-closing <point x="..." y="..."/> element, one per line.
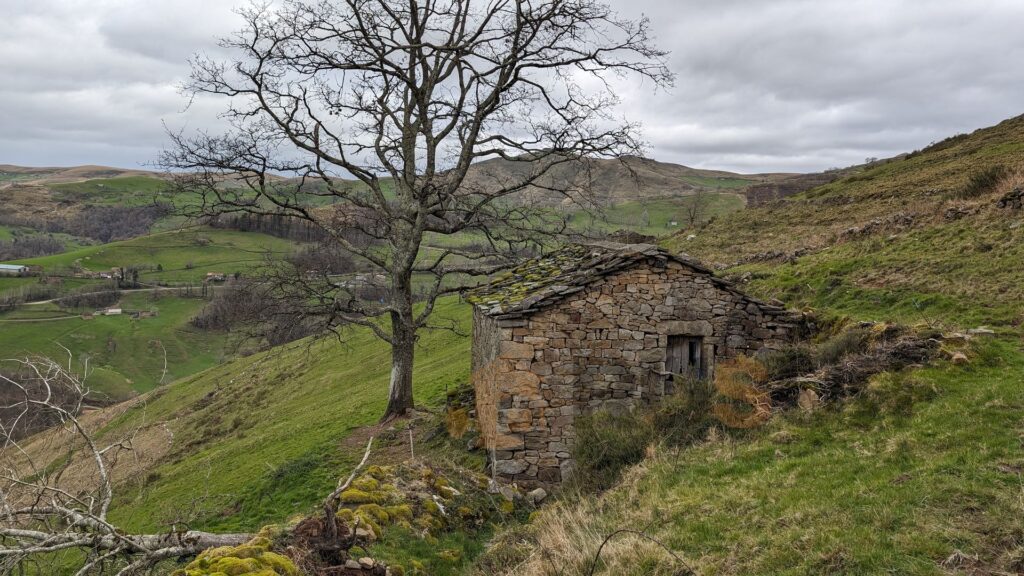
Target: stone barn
<point x="592" y="327"/>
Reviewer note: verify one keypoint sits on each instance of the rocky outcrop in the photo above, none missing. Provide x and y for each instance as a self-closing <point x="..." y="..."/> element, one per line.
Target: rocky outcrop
<point x="1013" y="200"/>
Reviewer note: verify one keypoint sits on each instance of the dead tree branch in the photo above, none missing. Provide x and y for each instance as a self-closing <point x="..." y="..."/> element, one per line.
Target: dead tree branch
<point x="56" y="488"/>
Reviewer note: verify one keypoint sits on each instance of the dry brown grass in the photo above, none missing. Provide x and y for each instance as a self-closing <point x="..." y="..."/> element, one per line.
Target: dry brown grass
<point x="61" y="448"/>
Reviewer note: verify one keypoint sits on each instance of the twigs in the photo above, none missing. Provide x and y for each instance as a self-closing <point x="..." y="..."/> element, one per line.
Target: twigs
<point x="52" y="501"/>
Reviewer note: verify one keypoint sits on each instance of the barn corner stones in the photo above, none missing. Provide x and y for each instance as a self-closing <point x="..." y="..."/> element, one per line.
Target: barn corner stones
<point x="598" y="327"/>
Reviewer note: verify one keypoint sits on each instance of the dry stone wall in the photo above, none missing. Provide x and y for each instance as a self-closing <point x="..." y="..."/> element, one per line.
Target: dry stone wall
<point x="601" y="348"/>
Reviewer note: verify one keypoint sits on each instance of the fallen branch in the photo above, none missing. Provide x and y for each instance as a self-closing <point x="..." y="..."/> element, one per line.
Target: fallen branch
<point x="332" y="501"/>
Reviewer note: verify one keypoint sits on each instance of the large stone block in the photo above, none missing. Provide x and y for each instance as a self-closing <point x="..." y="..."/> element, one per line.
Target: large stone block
<point x="510" y="467"/>
<point x="516" y="415"/>
<point x="509" y="442"/>
<point x="686" y="328"/>
<point x="515" y="351"/>
<point x="519" y="383"/>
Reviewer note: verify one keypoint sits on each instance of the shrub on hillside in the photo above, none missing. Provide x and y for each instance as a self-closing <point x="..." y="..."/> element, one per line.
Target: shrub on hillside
<point x="606" y="444"/>
<point x="29" y="247"/>
<point x="982" y="182"/>
<point x="788" y="362"/>
<point x="684" y="417"/>
<point x="741" y="400"/>
<point x="847" y="342"/>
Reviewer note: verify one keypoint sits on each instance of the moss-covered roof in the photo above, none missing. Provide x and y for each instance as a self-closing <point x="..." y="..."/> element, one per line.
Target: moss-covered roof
<point x="542" y="281"/>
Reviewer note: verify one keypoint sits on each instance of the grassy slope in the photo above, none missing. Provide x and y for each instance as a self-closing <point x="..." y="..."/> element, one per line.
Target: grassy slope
<point x="258" y="437"/>
<point x="964" y="270"/>
<point x="660" y="212"/>
<point x="125" y="352"/>
<point x="874" y="487"/>
<point x="185" y="255"/>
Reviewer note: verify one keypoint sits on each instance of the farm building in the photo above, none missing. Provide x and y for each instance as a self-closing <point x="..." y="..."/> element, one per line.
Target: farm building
<point x="598" y="327"/>
<point x="13" y="270"/>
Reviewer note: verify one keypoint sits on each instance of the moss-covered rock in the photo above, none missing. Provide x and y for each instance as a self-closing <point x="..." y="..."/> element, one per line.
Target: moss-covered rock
<point x="253" y="558"/>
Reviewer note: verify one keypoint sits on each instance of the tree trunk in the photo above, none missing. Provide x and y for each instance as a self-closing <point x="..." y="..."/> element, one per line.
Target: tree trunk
<point x="403" y="349"/>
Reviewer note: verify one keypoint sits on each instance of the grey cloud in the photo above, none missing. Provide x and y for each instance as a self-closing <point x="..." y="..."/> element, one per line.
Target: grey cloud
<point x="786" y="85"/>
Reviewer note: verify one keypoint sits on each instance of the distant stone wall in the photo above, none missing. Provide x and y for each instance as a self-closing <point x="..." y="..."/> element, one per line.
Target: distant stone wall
<point x="602" y="348"/>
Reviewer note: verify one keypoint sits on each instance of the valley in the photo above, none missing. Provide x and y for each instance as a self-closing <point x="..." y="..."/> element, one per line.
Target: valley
<point x="919" y="474"/>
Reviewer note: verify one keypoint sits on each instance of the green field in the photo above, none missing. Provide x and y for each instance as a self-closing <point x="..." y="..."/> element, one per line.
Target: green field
<point x="183" y="255"/>
<point x="659" y="214"/>
<point x="120" y="191"/>
<point x="127" y="354"/>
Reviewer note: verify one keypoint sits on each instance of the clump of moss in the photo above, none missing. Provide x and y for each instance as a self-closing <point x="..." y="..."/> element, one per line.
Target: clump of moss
<point x="380" y="472"/>
<point x="357" y="496"/>
<point x="253" y="558"/>
<point x="369" y="490"/>
<point x="374" y="511"/>
<point x="366" y="484"/>
<point x="400" y="512"/>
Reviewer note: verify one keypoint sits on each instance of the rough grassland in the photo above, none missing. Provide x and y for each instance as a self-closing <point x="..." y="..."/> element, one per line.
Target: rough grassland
<point x="873" y="488"/>
<point x="896" y="240"/>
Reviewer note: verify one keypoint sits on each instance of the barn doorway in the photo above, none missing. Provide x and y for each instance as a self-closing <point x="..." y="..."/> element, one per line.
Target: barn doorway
<point x="685" y="357"/>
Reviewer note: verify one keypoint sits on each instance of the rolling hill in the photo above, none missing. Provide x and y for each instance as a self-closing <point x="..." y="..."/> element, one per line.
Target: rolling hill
<point x="920" y="474"/>
<point x="611" y="182"/>
<point x="918" y="237"/>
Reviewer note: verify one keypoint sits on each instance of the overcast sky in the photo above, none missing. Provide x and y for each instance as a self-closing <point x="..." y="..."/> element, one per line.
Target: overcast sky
<point x="763" y="85"/>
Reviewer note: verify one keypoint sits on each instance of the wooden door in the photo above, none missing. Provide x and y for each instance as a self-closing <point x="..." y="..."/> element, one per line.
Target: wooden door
<point x="685" y="356"/>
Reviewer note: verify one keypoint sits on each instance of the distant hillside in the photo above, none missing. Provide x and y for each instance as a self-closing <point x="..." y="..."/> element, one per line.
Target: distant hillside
<point x="42" y="176"/>
<point x="935" y="232"/>
<point x="615" y="181"/>
<point x="784" y="187"/>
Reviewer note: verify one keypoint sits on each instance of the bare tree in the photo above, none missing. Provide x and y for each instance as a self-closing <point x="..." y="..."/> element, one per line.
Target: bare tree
<point x="56" y="488"/>
<point x="404" y="96"/>
<point x="696" y="208"/>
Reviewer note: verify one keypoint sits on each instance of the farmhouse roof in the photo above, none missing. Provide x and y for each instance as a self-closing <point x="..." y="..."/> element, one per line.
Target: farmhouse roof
<point x="544" y="281"/>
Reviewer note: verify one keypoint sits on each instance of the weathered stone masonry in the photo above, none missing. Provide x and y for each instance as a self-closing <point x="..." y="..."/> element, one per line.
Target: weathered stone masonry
<point x="590" y="329"/>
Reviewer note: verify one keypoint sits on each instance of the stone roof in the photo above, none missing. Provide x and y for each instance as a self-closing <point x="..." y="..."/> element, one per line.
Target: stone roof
<point x="541" y="282"/>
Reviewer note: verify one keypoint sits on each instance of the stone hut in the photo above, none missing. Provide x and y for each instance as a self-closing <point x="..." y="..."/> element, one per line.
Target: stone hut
<point x="598" y="326"/>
